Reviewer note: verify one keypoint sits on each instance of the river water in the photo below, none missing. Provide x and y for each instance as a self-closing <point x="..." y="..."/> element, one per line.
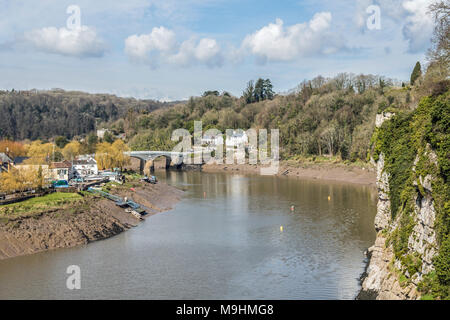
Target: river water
<point x="222" y="241"/>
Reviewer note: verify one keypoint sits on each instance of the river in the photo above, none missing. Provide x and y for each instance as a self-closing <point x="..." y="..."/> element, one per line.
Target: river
<point x="231" y="237"/>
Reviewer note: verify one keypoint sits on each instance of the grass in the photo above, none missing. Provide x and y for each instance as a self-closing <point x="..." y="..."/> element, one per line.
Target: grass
<point x="403" y="280"/>
<point x="131" y="175"/>
<point x="38" y="205"/>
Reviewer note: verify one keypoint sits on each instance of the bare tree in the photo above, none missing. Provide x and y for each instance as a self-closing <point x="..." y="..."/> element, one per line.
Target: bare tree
<point x="439" y="52"/>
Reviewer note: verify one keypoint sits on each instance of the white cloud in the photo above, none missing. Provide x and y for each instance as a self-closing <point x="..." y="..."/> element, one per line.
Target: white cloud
<point x="138" y="47"/>
<point x="275" y="42"/>
<point x="80" y="42"/>
<point x="161" y="44"/>
<point x="408" y="16"/>
<point x="205" y="51"/>
<point x="419" y="24"/>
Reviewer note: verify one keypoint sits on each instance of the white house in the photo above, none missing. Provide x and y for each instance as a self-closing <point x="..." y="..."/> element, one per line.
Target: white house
<point x="101" y="133"/>
<point x="60" y="171"/>
<point x="85" y="167"/>
<point x="212" y="139"/>
<point x="237" y="138"/>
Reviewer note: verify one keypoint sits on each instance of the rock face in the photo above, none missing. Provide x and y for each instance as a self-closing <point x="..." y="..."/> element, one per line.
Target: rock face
<point x="423" y="237"/>
<point x="385" y="276"/>
<point x="383" y="215"/>
<point x="382" y="117"/>
<point x="381" y="282"/>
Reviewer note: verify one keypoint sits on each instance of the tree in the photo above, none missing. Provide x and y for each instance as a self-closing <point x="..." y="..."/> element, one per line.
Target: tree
<point x="268" y="89"/>
<point x="108" y="137"/>
<point x="118" y="149"/>
<point x="416" y="74"/>
<point x="71" y="150"/>
<point x="211" y="93"/>
<point x="9" y="181"/>
<point x="249" y="93"/>
<point x="61" y="141"/>
<point x="92" y="141"/>
<point x="20" y="180"/>
<point x="440" y="53"/>
<point x="40" y="153"/>
<point x="104" y="156"/>
<point x="259" y="93"/>
<point x="12" y="149"/>
<point x="39" y="178"/>
<point x="48" y="114"/>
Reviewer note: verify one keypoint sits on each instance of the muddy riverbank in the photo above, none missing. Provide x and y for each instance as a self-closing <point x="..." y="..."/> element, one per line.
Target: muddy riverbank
<point x="330" y="172"/>
<point x="89" y="219"/>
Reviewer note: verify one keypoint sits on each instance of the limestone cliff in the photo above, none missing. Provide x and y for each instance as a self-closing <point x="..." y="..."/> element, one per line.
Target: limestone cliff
<point x="408" y="259"/>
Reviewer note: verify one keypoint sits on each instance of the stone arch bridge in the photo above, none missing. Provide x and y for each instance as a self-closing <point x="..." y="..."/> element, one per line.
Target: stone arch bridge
<point x="147" y="158"/>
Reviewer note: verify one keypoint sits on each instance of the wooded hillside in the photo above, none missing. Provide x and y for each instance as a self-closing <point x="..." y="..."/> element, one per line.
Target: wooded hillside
<point x="45" y="114"/>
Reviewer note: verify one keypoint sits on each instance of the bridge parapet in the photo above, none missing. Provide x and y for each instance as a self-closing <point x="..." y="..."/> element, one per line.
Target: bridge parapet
<point x="147" y="158"/>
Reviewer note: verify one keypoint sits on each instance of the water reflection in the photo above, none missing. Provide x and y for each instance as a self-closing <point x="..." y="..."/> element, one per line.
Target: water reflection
<point x="222" y="241"/>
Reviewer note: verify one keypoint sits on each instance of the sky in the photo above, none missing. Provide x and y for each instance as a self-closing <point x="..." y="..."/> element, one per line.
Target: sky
<point x="171" y="50"/>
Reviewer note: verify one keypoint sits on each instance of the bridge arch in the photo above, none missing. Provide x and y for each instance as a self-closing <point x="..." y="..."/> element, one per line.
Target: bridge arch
<point x="147" y="159"/>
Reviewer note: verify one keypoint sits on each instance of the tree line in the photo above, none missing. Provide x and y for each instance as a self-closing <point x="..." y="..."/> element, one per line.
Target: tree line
<point x="45" y="114"/>
<point x="323" y="116"/>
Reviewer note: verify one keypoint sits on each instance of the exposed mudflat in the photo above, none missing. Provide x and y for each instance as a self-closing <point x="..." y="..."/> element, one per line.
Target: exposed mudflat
<point x="91" y="220"/>
<point x="331" y="172"/>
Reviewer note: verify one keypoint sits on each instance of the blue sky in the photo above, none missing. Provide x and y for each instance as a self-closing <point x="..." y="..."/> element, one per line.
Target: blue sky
<point x="172" y="49"/>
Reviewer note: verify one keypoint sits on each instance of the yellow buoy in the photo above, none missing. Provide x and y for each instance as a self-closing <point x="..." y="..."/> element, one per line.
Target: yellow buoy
<point x="329" y="198"/>
<point x="281" y="228"/>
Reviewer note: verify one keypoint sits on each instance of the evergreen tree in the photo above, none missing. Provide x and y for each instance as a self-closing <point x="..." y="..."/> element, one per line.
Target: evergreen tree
<point x="417" y="73"/>
<point x="249" y="92"/>
<point x="211" y="93"/>
<point x="259" y="90"/>
<point x="268" y="89"/>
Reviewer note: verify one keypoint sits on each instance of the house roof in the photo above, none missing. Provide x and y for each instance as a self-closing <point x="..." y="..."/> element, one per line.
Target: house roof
<point x="84" y="162"/>
<point x="19" y="160"/>
<point x="58" y="165"/>
<point x="4" y="158"/>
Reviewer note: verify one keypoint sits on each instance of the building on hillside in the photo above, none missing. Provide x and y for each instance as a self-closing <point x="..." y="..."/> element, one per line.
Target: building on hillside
<point x="212" y="139"/>
<point x="21" y="165"/>
<point x="237" y="138"/>
<point x="85" y="167"/>
<point x="5" y="162"/>
<point x="121" y="136"/>
<point x="60" y="171"/>
<point x="101" y="133"/>
<point x="85" y="156"/>
<point x="20" y="160"/>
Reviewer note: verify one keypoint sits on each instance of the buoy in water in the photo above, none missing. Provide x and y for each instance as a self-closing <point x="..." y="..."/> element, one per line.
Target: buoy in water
<point x="329" y="198"/>
<point x="292" y="208"/>
<point x="204" y="194"/>
<point x="281" y="228"/>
